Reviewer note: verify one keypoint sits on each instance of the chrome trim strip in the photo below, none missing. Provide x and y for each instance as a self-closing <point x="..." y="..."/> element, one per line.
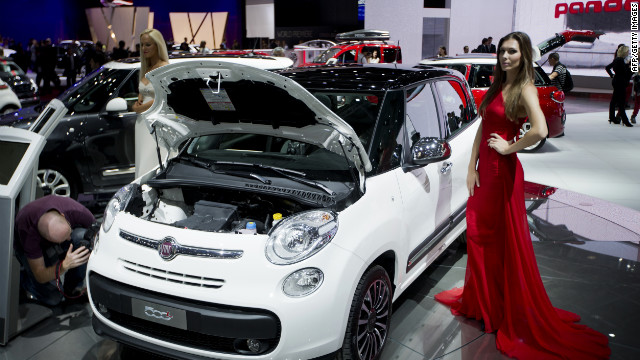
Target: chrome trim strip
<point x="182" y="249"/>
<point x="114" y="172"/>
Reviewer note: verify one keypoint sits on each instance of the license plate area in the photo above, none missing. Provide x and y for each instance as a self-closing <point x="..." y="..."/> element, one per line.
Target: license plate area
<point x="160" y="314"/>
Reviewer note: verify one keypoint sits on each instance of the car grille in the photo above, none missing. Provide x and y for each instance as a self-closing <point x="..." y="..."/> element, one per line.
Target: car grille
<point x="23" y="88"/>
<point x="174" y="277"/>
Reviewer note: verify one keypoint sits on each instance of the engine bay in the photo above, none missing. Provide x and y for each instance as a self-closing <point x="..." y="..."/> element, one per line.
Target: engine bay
<point x="211" y="209"/>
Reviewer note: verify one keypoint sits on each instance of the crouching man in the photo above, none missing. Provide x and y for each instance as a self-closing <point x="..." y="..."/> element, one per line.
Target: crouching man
<point x="42" y="244"/>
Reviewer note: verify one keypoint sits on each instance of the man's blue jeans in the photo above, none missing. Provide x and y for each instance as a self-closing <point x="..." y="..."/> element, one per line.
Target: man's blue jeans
<point x="48" y="293"/>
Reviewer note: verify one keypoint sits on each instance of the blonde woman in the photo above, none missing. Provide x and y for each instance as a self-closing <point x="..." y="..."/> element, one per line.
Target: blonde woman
<point x="153" y="54"/>
<point x="502" y="286"/>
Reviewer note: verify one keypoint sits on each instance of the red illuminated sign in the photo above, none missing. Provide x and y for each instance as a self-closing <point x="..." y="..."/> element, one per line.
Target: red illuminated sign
<point x="593" y="6"/>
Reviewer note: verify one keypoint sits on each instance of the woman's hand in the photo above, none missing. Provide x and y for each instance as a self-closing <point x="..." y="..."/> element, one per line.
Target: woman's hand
<point x="498" y="144"/>
<point x="473" y="180"/>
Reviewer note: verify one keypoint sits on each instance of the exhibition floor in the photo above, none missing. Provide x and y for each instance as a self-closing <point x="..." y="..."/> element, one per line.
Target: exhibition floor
<point x="585" y="265"/>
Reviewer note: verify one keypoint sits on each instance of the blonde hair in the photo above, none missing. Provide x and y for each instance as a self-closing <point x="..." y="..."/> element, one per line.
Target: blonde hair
<point x="622" y="50"/>
<point x="157" y="38"/>
<point x="524" y="76"/>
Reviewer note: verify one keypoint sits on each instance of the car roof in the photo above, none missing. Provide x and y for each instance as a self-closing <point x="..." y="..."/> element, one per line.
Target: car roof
<point x="482" y="59"/>
<point x="134" y="62"/>
<point x="373" y="77"/>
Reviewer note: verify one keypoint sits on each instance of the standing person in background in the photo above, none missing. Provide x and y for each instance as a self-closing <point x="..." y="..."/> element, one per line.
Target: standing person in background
<point x="621" y="76"/>
<point x="465" y="49"/>
<point x="482" y="48"/>
<point x="48" y="62"/>
<point x="636" y="95"/>
<point x="203" y="47"/>
<point x="490" y="47"/>
<point x="442" y="51"/>
<point x="154" y="55"/>
<point x="502" y="285"/>
<point x="559" y="73"/>
<point x="70" y="65"/>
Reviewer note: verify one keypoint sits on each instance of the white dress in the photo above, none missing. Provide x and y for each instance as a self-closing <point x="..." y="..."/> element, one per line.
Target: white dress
<point x="146" y="154"/>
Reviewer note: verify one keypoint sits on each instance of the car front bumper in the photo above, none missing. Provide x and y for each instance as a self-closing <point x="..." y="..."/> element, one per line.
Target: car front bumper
<point x="225" y="301"/>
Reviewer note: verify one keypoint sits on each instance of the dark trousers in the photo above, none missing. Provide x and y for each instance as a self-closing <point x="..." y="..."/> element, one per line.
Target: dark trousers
<point x="48" y="293"/>
<point x="618" y="100"/>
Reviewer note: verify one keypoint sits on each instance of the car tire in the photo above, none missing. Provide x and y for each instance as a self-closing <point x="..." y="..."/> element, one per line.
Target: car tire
<point x="535" y="147"/>
<point x="369" y="317"/>
<point x="8" y="109"/>
<point x="57" y="182"/>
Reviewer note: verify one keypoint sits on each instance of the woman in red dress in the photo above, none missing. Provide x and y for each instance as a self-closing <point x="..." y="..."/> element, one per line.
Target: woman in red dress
<point x="503" y="287"/>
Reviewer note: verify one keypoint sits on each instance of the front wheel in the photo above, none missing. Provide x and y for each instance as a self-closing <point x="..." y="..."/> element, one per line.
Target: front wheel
<point x="369" y="318"/>
<point x="535" y="147"/>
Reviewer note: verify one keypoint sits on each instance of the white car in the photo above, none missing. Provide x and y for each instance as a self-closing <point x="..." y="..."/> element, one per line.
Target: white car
<point x="8" y="99"/>
<point x="299" y="206"/>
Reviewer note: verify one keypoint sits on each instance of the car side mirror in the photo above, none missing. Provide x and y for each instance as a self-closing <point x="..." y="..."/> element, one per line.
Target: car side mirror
<point x="116" y="105"/>
<point x="428" y="150"/>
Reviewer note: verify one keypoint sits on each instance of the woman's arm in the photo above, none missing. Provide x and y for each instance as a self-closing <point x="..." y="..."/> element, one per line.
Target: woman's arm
<point x="538" y="130"/>
<point x="608" y="68"/>
<point x="142" y="107"/>
<point x="473" y="179"/>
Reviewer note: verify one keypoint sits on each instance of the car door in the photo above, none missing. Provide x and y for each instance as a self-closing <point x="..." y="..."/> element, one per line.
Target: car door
<point x="109" y="138"/>
<point x="425" y="204"/>
<point x="458" y="117"/>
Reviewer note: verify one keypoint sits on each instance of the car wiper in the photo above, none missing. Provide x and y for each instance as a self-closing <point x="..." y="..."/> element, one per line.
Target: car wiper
<point x="286" y="173"/>
<point x="207" y="165"/>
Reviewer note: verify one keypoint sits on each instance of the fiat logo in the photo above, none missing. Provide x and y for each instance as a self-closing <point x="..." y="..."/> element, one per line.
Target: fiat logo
<point x="168" y="249"/>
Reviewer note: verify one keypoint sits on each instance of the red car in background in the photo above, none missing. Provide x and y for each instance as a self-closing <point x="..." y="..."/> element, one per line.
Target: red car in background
<point x="478" y="70"/>
<point x="354" y="43"/>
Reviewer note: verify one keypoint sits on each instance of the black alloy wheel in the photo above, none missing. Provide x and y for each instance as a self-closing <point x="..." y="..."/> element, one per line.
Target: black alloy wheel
<point x="369" y="318"/>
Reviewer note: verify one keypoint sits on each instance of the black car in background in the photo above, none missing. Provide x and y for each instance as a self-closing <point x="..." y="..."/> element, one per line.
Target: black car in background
<point x="23" y="86"/>
<point x="91" y="154"/>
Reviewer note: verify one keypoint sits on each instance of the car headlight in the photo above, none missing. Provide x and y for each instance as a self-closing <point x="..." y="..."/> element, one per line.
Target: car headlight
<point x="117" y="203"/>
<point x="300" y="236"/>
<point x="302" y="282"/>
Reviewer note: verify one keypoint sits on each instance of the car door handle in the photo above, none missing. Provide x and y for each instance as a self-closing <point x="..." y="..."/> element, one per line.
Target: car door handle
<point x="446" y="168"/>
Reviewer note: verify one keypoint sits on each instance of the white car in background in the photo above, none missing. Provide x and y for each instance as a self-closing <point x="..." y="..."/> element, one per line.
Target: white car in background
<point x="297" y="207"/>
<point x="8" y="99"/>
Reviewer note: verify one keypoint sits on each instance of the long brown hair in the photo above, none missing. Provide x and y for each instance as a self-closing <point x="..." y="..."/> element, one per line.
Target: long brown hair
<point x="523" y="76"/>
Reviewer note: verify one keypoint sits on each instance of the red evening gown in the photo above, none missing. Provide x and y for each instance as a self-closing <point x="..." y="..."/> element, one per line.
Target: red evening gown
<point x="502" y="282"/>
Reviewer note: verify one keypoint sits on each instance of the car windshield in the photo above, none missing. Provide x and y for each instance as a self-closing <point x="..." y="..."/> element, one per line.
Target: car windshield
<point x="7" y="67"/>
<point x="358" y="109"/>
<point x="92" y="92"/>
<point x="268" y="151"/>
<point x="328" y="54"/>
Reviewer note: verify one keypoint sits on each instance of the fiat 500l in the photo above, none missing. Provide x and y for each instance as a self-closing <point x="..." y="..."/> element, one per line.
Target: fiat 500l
<point x="296" y="208"/>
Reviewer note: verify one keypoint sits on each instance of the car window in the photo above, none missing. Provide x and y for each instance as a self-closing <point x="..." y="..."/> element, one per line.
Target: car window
<point x="455" y="106"/>
<point x="328" y="54"/>
<point x="541" y="78"/>
<point x="421" y="114"/>
<point x="11" y="67"/>
<point x="129" y="90"/>
<point x="386" y="145"/>
<point x="91" y="94"/>
<point x="347" y="57"/>
<point x="482" y="76"/>
<point x="390" y="55"/>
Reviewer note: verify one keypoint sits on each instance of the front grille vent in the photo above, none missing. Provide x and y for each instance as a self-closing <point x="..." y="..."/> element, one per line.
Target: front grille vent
<point x="174" y="277"/>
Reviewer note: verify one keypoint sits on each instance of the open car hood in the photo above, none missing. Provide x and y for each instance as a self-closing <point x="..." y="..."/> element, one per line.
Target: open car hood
<point x="565" y="36"/>
<point x="203" y="97"/>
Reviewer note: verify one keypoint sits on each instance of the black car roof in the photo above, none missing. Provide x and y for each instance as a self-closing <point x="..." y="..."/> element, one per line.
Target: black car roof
<point x="373" y="77"/>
